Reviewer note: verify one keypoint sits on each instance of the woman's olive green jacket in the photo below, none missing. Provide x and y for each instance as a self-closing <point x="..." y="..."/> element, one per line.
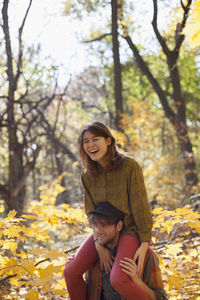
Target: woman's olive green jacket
<point x="124" y="188"/>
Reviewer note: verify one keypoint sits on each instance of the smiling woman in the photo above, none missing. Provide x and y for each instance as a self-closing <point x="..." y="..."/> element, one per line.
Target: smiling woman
<point x="117" y="179"/>
<point x="96" y="147"/>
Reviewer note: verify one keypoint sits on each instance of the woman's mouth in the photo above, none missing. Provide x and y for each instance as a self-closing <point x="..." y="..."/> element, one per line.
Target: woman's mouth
<point x="93" y="151"/>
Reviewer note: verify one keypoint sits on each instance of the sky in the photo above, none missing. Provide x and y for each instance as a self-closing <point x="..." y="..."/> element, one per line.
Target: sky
<point x="59" y="36"/>
<point x="56" y="33"/>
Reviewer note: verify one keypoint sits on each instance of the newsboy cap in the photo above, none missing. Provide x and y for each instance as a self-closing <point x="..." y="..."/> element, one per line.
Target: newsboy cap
<point x="108" y="210"/>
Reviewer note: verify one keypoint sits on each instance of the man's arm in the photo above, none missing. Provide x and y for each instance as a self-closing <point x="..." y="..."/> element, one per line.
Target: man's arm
<point x="130" y="268"/>
<point x="150" y="293"/>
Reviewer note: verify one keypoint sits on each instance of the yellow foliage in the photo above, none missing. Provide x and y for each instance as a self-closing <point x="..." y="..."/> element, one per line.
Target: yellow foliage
<point x="192" y="29"/>
<point x="32" y="295"/>
<point x="36" y="262"/>
<point x="147" y="137"/>
<point x="60" y="287"/>
<point x="49" y="195"/>
<point x="2" y="208"/>
<point x="29" y="265"/>
<point x="180" y="254"/>
<point x="27" y="247"/>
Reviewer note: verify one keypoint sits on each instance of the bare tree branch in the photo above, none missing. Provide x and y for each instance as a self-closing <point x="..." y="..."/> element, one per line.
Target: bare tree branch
<point x="144" y="68"/>
<point x="51" y="135"/>
<point x="27" y="170"/>
<point x="6" y="278"/>
<point x="99" y="38"/>
<point x="155" y="28"/>
<point x="181" y="36"/>
<point x="183" y="6"/>
<point x="19" y="62"/>
<point x="6" y="31"/>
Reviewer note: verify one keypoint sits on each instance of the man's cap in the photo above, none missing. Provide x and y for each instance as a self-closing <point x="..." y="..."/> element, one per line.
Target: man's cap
<point x="108" y="210"/>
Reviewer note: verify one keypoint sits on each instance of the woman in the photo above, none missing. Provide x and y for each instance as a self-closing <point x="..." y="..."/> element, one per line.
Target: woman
<point x="118" y="179"/>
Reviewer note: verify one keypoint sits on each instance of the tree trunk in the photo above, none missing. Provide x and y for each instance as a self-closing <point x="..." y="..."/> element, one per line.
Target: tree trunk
<point x="176" y="116"/>
<point x="16" y="200"/>
<point x="13" y="192"/>
<point x="117" y="65"/>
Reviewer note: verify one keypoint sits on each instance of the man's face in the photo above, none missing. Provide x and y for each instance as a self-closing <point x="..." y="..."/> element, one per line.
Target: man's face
<point x="107" y="234"/>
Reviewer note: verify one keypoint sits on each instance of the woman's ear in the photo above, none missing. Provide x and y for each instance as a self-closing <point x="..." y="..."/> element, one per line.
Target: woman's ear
<point x="109" y="141"/>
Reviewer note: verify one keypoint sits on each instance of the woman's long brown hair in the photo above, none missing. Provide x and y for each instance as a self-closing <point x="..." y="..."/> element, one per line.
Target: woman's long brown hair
<point x="113" y="157"/>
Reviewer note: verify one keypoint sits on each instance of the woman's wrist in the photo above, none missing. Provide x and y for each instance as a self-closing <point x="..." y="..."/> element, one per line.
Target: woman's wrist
<point x="144" y="245"/>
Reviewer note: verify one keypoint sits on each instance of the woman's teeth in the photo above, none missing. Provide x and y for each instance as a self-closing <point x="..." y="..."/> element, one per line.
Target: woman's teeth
<point x="93" y="151"/>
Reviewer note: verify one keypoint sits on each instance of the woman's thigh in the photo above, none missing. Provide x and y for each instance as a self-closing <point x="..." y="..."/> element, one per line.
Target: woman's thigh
<point x="84" y="257"/>
<point x="127" y="247"/>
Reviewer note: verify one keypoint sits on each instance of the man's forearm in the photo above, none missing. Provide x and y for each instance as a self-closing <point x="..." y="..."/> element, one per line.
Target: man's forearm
<point x="150" y="293"/>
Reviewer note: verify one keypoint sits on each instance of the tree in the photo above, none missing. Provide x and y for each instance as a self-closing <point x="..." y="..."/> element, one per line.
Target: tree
<point x="177" y="113"/>
<point x="91" y="6"/>
<point x="192" y="29"/>
<point x="20" y="114"/>
<point x="117" y="65"/>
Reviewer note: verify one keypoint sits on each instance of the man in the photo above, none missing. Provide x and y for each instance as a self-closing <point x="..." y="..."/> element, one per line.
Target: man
<point x="107" y="223"/>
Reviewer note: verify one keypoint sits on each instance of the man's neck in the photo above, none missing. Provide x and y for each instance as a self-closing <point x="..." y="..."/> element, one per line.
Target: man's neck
<point x="113" y="244"/>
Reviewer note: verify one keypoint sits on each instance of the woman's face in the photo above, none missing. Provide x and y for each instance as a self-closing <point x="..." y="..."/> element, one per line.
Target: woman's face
<point x="96" y="147"/>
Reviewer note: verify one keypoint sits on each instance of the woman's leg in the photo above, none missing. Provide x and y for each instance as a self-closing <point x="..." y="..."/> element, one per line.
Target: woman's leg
<point x="73" y="272"/>
<point x="121" y="282"/>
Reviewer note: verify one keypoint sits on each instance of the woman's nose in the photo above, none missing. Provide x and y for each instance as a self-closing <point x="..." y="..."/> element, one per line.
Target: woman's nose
<point x="90" y="143"/>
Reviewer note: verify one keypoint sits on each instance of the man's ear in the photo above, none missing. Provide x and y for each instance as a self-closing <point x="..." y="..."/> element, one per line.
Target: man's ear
<point x="120" y="225"/>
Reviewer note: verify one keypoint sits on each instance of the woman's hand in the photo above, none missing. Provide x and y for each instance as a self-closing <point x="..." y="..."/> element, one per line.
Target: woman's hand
<point x="130" y="268"/>
<point x="140" y="256"/>
<point x="106" y="259"/>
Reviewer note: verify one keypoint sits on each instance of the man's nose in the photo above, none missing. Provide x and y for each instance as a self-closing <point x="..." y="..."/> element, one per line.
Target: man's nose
<point x="98" y="229"/>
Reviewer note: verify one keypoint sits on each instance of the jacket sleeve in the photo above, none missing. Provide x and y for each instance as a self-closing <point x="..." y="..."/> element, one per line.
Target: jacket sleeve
<point x="88" y="202"/>
<point x="139" y="204"/>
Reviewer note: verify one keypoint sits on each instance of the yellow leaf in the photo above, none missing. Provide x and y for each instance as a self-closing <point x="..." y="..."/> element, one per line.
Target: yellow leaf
<point x="54" y="254"/>
<point x="75" y="164"/>
<point x="10" y="245"/>
<point x="53" y="220"/>
<point x="38" y="251"/>
<point x="47" y="274"/>
<point x="60" y="284"/>
<point x="32" y="295"/>
<point x="29" y="265"/>
<point x="12" y="214"/>
<point x="12" y="231"/>
<point x="193" y="253"/>
<point x="14" y="281"/>
<point x="2" y="209"/>
<point x="29" y="216"/>
<point x="174" y="249"/>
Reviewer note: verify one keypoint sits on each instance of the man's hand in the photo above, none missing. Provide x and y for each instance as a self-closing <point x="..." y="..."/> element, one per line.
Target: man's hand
<point x="140" y="256"/>
<point x="130" y="268"/>
<point x="106" y="259"/>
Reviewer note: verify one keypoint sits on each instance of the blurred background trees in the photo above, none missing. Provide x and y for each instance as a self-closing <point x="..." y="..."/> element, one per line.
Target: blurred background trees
<point x="146" y="89"/>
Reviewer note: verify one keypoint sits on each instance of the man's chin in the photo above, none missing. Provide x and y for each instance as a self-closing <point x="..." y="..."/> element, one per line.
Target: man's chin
<point x="102" y="243"/>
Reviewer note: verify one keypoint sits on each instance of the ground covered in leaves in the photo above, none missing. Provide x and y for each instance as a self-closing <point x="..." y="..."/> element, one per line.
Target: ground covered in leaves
<point x="35" y="247"/>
